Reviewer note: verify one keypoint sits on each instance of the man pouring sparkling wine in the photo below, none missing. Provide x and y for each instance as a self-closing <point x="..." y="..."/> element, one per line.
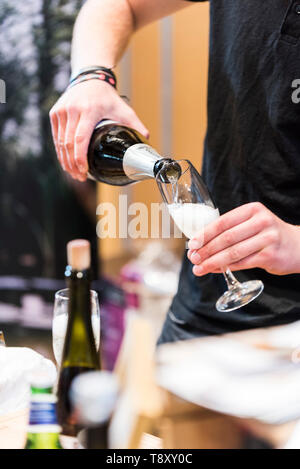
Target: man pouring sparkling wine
<point x="251" y="158"/>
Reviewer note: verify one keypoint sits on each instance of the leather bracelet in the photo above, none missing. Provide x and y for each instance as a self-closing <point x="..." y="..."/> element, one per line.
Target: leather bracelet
<point x="93" y="76"/>
<point x="96" y="69"/>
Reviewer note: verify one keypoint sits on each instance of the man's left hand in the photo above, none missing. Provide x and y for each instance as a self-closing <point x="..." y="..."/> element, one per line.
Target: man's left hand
<point x="247" y="237"/>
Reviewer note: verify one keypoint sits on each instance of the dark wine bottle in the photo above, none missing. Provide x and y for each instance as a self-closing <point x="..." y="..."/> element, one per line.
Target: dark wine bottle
<point x="119" y="155"/>
<point x="80" y="354"/>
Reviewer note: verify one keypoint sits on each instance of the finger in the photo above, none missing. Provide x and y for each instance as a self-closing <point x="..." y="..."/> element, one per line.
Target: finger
<point x="84" y="131"/>
<point x="137" y="124"/>
<point x="73" y="119"/>
<point x="54" y="129"/>
<point x="249" y="262"/>
<point x="231" y="255"/>
<point x="239" y="233"/>
<point x="224" y="223"/>
<point x="190" y="253"/>
<point x="62" y="122"/>
<point x="218" y="271"/>
<point x="131" y="119"/>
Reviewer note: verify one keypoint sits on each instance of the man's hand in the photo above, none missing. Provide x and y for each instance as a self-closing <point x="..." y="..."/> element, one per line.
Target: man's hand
<point x="75" y="115"/>
<point x="101" y="35"/>
<point x="247" y="237"/>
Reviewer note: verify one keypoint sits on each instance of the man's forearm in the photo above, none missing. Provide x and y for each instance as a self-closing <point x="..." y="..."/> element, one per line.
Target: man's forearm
<point x="104" y="27"/>
<point x="102" y="31"/>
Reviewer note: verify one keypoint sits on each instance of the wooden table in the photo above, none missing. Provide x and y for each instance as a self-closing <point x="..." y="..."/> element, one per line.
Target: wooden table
<point x="200" y="383"/>
<point x="185" y="396"/>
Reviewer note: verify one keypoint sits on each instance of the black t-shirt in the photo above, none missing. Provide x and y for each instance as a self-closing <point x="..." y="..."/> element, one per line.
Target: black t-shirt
<point x="252" y="149"/>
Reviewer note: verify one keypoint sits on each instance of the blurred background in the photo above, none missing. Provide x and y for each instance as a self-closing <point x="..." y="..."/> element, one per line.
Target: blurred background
<point x="164" y="76"/>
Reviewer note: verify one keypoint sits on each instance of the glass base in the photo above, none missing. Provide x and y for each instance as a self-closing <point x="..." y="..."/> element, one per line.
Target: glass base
<point x="239" y="295"/>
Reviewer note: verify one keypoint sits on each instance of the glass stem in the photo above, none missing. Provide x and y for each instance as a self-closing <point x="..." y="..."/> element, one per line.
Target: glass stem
<point x="231" y="281"/>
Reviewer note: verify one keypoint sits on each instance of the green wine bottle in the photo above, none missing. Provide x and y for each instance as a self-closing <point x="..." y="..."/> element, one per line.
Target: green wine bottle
<point x="43" y="429"/>
<point x="79" y="354"/>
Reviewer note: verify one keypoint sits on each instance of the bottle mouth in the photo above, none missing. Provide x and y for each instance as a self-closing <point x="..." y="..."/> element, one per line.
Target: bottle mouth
<point x="167" y="170"/>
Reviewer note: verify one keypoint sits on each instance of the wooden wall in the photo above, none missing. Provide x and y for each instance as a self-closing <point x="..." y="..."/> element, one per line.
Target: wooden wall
<point x="164" y="73"/>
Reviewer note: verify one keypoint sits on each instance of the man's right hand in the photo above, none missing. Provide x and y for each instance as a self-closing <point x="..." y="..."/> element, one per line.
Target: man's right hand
<point x="75" y="115"/>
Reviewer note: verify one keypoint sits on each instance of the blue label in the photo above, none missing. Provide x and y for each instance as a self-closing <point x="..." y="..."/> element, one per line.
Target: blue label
<point x="42" y="413"/>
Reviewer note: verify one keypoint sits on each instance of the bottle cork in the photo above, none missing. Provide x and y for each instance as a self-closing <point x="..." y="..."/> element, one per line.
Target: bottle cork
<point x="79" y="254"/>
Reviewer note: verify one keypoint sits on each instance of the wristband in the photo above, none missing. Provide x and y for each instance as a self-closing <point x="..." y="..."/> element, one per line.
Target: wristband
<point x="97" y="70"/>
<point x="93" y="76"/>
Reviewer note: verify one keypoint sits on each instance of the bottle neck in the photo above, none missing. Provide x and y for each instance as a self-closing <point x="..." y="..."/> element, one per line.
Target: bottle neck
<point x="141" y="162"/>
<point x="79" y="284"/>
<point x="79" y="347"/>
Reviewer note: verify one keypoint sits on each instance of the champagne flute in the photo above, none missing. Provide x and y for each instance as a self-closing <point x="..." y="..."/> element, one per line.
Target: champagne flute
<point x="60" y="321"/>
<point x="191" y="207"/>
